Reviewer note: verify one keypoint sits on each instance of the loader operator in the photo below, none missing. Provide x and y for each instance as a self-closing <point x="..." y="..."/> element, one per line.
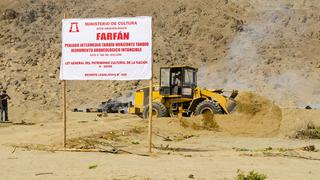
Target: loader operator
<point x="177" y="83"/>
<point x="4" y="106"/>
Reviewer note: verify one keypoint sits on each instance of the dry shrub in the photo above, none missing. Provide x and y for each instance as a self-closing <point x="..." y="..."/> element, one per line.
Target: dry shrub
<point x="308" y="131"/>
<point x="252" y="175"/>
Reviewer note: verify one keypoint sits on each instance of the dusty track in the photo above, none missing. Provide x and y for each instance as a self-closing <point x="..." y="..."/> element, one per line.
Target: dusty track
<point x="205" y="154"/>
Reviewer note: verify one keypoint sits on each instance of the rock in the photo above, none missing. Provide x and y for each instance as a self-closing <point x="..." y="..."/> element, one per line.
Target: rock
<point x="16" y="82"/>
<point x="191" y="176"/>
<point x="25" y="92"/>
<point x="51" y="75"/>
<point x="34" y="63"/>
<point x="25" y="97"/>
<point x="39" y="76"/>
<point x="23" y="79"/>
<point x="217" y="36"/>
<point x="309" y="148"/>
<point x="180" y="10"/>
<point x="238" y="25"/>
<point x="31" y="61"/>
<point x="9" y="14"/>
<point x="30" y="16"/>
<point x="308" y="107"/>
<point x="44" y="102"/>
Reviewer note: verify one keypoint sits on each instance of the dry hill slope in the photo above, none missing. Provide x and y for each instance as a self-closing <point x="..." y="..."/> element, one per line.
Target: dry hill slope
<point x="268" y="47"/>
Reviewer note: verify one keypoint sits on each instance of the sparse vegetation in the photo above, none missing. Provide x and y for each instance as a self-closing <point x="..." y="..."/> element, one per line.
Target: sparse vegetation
<point x="240" y="149"/>
<point x="135" y="142"/>
<point x="93" y="166"/>
<point x="137" y="130"/>
<point x="310" y="131"/>
<point x="268" y="148"/>
<point x="252" y="175"/>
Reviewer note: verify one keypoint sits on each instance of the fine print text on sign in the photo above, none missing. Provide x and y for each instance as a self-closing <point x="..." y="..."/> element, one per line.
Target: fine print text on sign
<point x="106" y="49"/>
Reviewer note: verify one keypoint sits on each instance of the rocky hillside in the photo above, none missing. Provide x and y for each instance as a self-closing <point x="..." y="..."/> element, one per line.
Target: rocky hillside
<point x="276" y="53"/>
<point x="265" y="46"/>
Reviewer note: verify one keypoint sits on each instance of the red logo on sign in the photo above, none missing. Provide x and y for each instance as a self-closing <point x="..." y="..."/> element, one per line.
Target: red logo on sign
<point x="74" y="27"/>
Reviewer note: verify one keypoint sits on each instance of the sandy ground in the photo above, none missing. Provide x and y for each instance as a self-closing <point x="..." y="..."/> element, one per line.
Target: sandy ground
<point x="281" y="61"/>
<point x="204" y="154"/>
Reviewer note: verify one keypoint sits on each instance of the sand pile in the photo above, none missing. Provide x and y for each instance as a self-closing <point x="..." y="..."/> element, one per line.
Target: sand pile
<point x="203" y="122"/>
<point x="256" y="116"/>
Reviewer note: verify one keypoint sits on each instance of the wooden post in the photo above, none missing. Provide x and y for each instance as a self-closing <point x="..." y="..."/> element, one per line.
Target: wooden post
<point x="150" y="114"/>
<point x="64" y="109"/>
<point x="64" y="112"/>
<point x="150" y="99"/>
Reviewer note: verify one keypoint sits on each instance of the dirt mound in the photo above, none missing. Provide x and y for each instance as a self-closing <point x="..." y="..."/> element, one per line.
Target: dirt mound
<point x="256" y="116"/>
<point x="204" y="122"/>
<point x="252" y="104"/>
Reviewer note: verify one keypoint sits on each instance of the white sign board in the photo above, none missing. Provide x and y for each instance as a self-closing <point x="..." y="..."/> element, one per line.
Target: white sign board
<point x="106" y="49"/>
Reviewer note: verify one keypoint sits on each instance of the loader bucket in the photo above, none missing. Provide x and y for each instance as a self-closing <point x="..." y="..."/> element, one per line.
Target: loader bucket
<point x="231" y="106"/>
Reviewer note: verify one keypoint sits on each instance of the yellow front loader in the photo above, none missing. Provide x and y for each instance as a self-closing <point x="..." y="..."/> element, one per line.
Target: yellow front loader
<point x="178" y="93"/>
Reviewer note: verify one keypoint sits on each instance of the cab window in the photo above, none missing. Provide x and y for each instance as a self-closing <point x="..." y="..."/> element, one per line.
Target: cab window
<point x="165" y="77"/>
<point x="188" y="77"/>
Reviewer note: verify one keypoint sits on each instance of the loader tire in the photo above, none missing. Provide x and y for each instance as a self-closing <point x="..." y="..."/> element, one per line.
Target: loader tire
<point x="159" y="110"/>
<point x="208" y="105"/>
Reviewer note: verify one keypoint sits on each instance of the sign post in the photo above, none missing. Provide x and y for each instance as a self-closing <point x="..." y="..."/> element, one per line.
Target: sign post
<point x="64" y="110"/>
<point x="150" y="115"/>
<point x="107" y="49"/>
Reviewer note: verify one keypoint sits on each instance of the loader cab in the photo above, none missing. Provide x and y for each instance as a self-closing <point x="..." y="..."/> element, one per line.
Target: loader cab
<point x="179" y="81"/>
